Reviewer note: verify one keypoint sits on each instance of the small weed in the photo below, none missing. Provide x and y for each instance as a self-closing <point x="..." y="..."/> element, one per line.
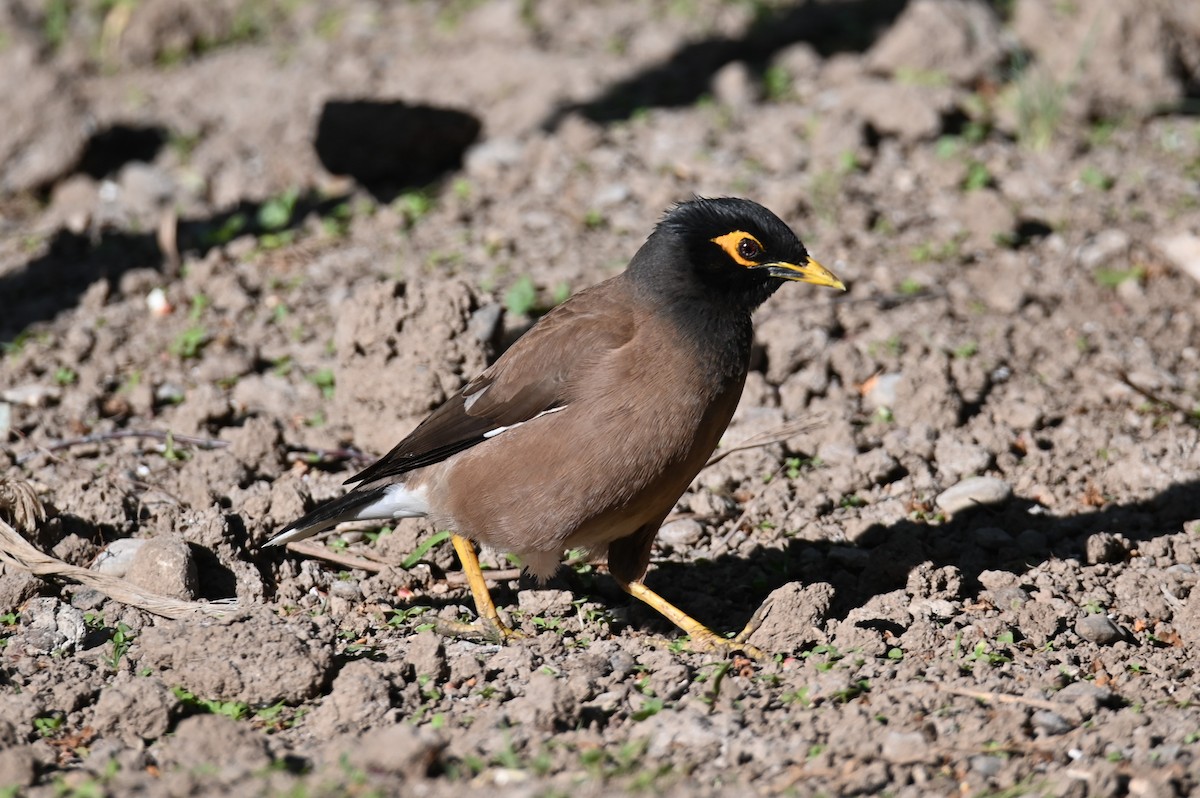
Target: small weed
<point x="797" y="696"/>
<point x="324" y="380"/>
<point x="171" y="453"/>
<point x="521" y="296"/>
<point x="190" y="343"/>
<point x="910" y="286"/>
<point x="1094" y="178"/>
<point x="977" y="177"/>
<point x="966" y="350"/>
<point x="853" y="691"/>
<point x="413" y="206"/>
<point x="236" y="710"/>
<point x="852" y="501"/>
<point x="49" y="725"/>
<point x="121" y="640"/>
<point x="594" y="220"/>
<point x="65" y="376"/>
<point x="777" y="84"/>
<point x="420" y="551"/>
<point x="230" y="229"/>
<point x="276" y="213"/>
<point x="896" y="654"/>
<point x="1111" y="278"/>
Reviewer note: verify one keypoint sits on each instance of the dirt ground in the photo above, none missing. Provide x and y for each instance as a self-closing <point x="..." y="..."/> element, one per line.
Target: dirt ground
<point x="284" y="230"/>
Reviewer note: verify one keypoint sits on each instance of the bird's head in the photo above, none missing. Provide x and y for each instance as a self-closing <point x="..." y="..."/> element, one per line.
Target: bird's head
<point x="733" y="246"/>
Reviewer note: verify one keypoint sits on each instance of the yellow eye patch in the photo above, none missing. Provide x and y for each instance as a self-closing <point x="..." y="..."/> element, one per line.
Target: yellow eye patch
<point x="736" y="243"/>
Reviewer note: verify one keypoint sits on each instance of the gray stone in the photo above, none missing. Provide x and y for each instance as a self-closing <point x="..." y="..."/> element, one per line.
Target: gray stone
<point x="882" y="392"/>
<point x="732" y="85"/>
<point x="49" y="625"/>
<point x="427" y="655"/>
<point x="955" y="39"/>
<point x="973" y="492"/>
<point x="1050" y="723"/>
<point x="682" y="533"/>
<point x="165" y="565"/>
<point x="957" y="458"/>
<point x="1183" y="251"/>
<point x="116" y="558"/>
<point x="138" y="709"/>
<point x="1098" y="629"/>
<point x="1105" y="547"/>
<point x="18" y="766"/>
<point x="907" y="748"/>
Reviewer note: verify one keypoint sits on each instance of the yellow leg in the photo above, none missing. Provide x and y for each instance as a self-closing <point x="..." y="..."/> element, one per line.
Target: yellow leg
<point x="484" y="605"/>
<point x="703" y="638"/>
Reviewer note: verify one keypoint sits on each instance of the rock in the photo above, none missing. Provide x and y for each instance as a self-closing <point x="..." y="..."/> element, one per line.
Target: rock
<point x="138" y="709"/>
<point x="907" y="748"/>
<point x="361" y="697"/>
<point x="959" y="40"/>
<point x="985" y="216"/>
<point x="17" y="587"/>
<point x="1050" y="723"/>
<point x="32" y="395"/>
<point x="37" y="149"/>
<point x="48" y="625"/>
<point x="882" y="392"/>
<point x="732" y="85"/>
<point x="957" y="458"/>
<point x="165" y="565"/>
<point x="973" y="492"/>
<point x="206" y="742"/>
<point x="547" y="704"/>
<point x="18" y="767"/>
<point x="1098" y="629"/>
<point x="1183" y="251"/>
<point x="1105" y="547"/>
<point x="792" y="616"/>
<point x="910" y="113"/>
<point x="1086" y="697"/>
<point x="400" y="750"/>
<point x="289" y="660"/>
<point x="1116" y="56"/>
<point x="427" y="655"/>
<point x="682" y="533"/>
<point x="1107" y="249"/>
<point x="115" y="558"/>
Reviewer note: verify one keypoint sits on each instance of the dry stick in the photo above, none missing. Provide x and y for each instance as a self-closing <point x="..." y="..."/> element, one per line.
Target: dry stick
<point x="1002" y="698"/>
<point x="118" y="434"/>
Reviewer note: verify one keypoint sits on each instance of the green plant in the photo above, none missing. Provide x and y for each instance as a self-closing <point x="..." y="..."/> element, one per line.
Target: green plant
<point x="325" y="380"/>
<point x="977" y="177"/>
<point x="521" y="296"/>
<point x="276" y="213"/>
<point x="121" y="640"/>
<point x="1094" y="178"/>
<point x="230" y="709"/>
<point x="419" y="552"/>
<point x="777" y="83"/>
<point x="49" y="725"/>
<point x="65" y="376"/>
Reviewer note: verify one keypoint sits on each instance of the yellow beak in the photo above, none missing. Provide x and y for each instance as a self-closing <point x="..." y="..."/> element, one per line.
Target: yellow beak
<point x="809" y="272"/>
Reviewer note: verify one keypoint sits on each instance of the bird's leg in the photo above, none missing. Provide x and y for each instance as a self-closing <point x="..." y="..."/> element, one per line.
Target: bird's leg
<point x="484" y="605"/>
<point x="703" y="638"/>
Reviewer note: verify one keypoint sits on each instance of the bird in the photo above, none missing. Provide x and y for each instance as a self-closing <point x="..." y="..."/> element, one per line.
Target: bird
<point x="589" y="428"/>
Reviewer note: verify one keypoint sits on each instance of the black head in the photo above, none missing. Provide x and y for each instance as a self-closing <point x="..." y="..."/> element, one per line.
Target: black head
<point x="734" y="249"/>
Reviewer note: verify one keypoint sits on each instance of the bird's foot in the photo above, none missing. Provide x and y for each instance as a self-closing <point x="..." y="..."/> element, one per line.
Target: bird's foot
<point x="707" y="641"/>
<point x="485" y="629"/>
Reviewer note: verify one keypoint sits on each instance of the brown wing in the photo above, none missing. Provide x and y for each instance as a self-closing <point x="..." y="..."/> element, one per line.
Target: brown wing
<point x="536" y="374"/>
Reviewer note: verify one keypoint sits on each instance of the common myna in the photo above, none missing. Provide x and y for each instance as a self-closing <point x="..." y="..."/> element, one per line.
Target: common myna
<point x="588" y="429"/>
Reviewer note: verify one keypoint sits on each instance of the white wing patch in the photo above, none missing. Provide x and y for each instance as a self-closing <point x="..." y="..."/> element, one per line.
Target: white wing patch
<point x="470" y="400"/>
<point x="494" y="432"/>
<point x="397" y="502"/>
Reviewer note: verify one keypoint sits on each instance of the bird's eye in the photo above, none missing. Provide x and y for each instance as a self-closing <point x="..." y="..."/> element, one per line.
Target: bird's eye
<point x="749" y="249"/>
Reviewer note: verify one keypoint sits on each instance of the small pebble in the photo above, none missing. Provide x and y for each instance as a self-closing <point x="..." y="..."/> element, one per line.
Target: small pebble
<point x="1098" y="629"/>
<point x="682" y="533"/>
<point x="1050" y="723"/>
<point x="905" y="748"/>
<point x="973" y="492"/>
<point x="1105" y="547"/>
